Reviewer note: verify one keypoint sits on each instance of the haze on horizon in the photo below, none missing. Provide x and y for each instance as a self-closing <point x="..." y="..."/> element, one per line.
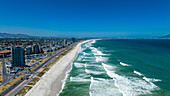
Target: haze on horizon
<point x="86" y="18"/>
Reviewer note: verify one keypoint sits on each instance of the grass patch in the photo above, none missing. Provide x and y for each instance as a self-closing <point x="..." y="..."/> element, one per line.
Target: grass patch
<point x="23" y="91"/>
<point x="40" y="74"/>
<point x="34" y="81"/>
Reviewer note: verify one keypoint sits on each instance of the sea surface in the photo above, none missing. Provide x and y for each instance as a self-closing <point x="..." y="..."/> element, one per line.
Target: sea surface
<point x="120" y="67"/>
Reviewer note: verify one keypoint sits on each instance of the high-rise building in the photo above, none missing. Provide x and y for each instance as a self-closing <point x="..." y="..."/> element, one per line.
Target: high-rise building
<point x="29" y="50"/>
<point x="56" y="42"/>
<point x="36" y="49"/>
<point x="65" y="42"/>
<point x="18" y="57"/>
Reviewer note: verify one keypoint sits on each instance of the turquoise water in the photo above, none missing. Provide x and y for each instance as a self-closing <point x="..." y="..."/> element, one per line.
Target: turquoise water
<point x="120" y="68"/>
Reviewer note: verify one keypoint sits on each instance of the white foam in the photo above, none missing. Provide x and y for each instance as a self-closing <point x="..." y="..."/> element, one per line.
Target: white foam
<point x="85" y="59"/>
<point x="150" y="80"/>
<point x="78" y="65"/>
<point x="88" y="57"/>
<point x="88" y="44"/>
<point x="108" y="66"/>
<point x="155" y="80"/>
<point x="138" y="73"/>
<point x="80" y="78"/>
<point x="123" y="64"/>
<point x="88" y="54"/>
<point x="84" y="53"/>
<point x="80" y="58"/>
<point x="85" y="65"/>
<point x="103" y="87"/>
<point x="130" y="86"/>
<point x="93" y="41"/>
<point x="81" y="49"/>
<point x="96" y="65"/>
<point x="96" y="51"/>
<point x="93" y="72"/>
<point x="99" y="52"/>
<point x="100" y="58"/>
<point x="91" y="85"/>
<point x="146" y="79"/>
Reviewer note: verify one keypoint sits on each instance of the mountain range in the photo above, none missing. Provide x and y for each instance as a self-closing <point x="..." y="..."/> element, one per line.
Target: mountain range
<point x="9" y="35"/>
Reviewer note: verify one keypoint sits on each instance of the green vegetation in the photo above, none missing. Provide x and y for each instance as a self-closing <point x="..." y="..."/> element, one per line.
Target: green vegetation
<point x="34" y="81"/>
<point x="23" y="91"/>
<point x="41" y="74"/>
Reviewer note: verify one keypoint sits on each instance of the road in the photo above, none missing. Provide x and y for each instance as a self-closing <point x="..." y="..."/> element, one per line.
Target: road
<point x="5" y="77"/>
<point x="15" y="88"/>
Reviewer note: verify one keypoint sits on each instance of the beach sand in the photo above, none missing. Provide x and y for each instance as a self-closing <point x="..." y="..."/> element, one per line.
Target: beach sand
<point x="51" y="82"/>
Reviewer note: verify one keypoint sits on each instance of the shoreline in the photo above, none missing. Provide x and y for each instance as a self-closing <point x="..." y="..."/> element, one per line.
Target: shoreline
<point x="52" y="82"/>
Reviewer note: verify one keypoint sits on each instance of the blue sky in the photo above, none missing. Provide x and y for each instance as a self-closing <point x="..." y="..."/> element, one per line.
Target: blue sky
<point x="86" y="18"/>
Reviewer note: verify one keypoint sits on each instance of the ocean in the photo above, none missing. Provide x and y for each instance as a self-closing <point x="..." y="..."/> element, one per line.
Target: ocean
<point x="120" y="67"/>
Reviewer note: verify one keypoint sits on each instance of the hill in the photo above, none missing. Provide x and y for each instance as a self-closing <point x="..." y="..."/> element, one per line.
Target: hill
<point x="9" y="35"/>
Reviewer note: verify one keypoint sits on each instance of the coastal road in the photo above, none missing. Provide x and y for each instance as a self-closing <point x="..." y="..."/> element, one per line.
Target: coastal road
<point x="5" y="77"/>
<point x="14" y="89"/>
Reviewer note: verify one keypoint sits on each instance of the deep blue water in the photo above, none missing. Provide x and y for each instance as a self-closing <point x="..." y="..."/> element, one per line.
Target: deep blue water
<point x="120" y="67"/>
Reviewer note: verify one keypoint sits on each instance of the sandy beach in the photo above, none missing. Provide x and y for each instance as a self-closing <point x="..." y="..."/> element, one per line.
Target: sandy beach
<point x="51" y="82"/>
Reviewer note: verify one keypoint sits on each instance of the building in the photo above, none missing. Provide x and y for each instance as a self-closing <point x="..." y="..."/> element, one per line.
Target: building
<point x="29" y="50"/>
<point x="18" y="57"/>
<point x="65" y="43"/>
<point x="36" y="49"/>
<point x="51" y="45"/>
<point x="5" y="53"/>
<point x="56" y="43"/>
<point x="54" y="49"/>
<point x="41" y="50"/>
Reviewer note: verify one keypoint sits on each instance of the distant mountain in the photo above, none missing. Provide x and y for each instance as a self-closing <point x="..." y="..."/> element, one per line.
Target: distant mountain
<point x="9" y="35"/>
<point x="166" y="36"/>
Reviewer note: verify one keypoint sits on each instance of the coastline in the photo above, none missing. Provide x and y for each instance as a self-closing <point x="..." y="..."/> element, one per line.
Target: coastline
<point x="51" y="83"/>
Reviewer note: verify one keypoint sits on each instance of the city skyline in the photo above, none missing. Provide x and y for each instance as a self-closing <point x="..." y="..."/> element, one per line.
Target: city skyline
<point x="80" y="18"/>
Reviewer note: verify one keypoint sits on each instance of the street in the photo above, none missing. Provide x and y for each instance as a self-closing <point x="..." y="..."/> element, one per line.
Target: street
<point x="15" y="88"/>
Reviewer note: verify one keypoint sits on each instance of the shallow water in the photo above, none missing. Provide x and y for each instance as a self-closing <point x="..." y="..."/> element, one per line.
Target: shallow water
<point x="120" y="68"/>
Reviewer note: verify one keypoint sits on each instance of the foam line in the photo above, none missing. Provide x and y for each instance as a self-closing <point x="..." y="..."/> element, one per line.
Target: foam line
<point x="93" y="72"/>
<point x="103" y="87"/>
<point x="78" y="64"/>
<point x="138" y="73"/>
<point x="130" y="86"/>
<point x="150" y="80"/>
